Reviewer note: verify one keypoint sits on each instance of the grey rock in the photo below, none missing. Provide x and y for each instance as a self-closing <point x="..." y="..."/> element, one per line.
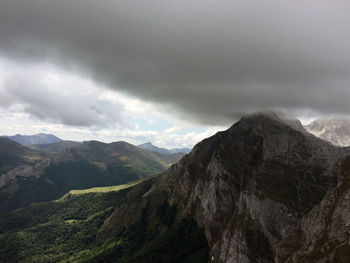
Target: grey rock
<point x="22" y="172"/>
<point x="336" y="131"/>
<point x="265" y="190"/>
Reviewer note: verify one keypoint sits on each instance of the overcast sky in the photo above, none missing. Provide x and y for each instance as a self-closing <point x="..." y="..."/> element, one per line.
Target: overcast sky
<point x="170" y="72"/>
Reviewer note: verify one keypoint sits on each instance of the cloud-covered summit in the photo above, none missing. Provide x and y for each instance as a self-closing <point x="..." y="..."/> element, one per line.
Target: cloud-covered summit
<point x="207" y="60"/>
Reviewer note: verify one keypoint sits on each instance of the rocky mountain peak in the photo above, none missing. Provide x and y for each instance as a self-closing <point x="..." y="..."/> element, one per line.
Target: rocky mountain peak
<point x="251" y="185"/>
<point x="276" y="117"/>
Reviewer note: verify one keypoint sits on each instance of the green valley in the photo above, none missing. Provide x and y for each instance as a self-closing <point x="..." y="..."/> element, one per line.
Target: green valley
<point x="83" y="228"/>
<point x="32" y="176"/>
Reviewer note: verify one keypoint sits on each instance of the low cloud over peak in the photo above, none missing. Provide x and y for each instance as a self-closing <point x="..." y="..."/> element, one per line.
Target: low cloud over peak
<point x="208" y="61"/>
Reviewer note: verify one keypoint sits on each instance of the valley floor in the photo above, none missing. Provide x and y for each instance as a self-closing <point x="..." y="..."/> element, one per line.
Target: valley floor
<point x="82" y="228"/>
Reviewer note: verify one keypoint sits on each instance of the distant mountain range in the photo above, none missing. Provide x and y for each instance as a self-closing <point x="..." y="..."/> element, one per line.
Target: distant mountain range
<point x="148" y="146"/>
<point x="40" y="138"/>
<point x="51" y="143"/>
<point x="334" y="130"/>
<point x="43" y="172"/>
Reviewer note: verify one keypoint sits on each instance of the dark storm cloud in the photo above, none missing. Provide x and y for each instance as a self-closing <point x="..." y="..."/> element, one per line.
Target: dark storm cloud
<point x="209" y="60"/>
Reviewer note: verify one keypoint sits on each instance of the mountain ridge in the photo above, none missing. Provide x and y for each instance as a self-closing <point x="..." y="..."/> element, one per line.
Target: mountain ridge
<point x="66" y="166"/>
<point x="39" y="138"/>
<point x="13" y="154"/>
<point x="152" y="148"/>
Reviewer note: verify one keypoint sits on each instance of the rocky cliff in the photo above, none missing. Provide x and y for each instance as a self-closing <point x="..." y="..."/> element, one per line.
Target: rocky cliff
<point x="336" y="131"/>
<point x="265" y="190"/>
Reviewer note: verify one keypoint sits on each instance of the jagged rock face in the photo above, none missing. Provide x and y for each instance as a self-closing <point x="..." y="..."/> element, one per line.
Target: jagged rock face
<point x="23" y="171"/>
<point x="256" y="188"/>
<point x="324" y="231"/>
<point x="336" y="131"/>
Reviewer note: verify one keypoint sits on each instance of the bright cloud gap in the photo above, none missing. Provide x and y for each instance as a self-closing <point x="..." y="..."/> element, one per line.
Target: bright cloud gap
<point x="42" y="98"/>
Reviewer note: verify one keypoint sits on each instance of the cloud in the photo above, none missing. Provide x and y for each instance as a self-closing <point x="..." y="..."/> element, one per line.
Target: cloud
<point x="12" y="123"/>
<point x="206" y="61"/>
<point x="59" y="98"/>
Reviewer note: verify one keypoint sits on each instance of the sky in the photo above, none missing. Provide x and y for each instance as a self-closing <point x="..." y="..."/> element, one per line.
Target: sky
<point x="169" y="72"/>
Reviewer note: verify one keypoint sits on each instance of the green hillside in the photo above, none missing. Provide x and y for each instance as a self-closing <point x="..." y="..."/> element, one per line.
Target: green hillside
<point x="89" y="164"/>
<point x="13" y="154"/>
<point x="83" y="229"/>
<point x="106" y="189"/>
<point x="55" y="147"/>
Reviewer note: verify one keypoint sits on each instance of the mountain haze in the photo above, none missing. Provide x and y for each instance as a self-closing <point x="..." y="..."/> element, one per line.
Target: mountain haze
<point x="40" y="138"/>
<point x="152" y="148"/>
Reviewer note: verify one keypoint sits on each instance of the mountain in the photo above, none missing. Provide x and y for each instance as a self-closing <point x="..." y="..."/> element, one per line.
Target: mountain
<point x="180" y="150"/>
<point x="55" y="147"/>
<point x="135" y="224"/>
<point x="13" y="154"/>
<point x="336" y="131"/>
<point x="168" y="159"/>
<point x="265" y="190"/>
<point x="148" y="146"/>
<point x="85" y="165"/>
<point x="40" y="138"/>
<point x="151" y="148"/>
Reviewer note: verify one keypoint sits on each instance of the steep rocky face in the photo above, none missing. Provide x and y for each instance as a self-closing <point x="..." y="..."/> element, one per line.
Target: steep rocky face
<point x="23" y="171"/>
<point x="18" y="162"/>
<point x="323" y="234"/>
<point x="264" y="191"/>
<point x="336" y="131"/>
